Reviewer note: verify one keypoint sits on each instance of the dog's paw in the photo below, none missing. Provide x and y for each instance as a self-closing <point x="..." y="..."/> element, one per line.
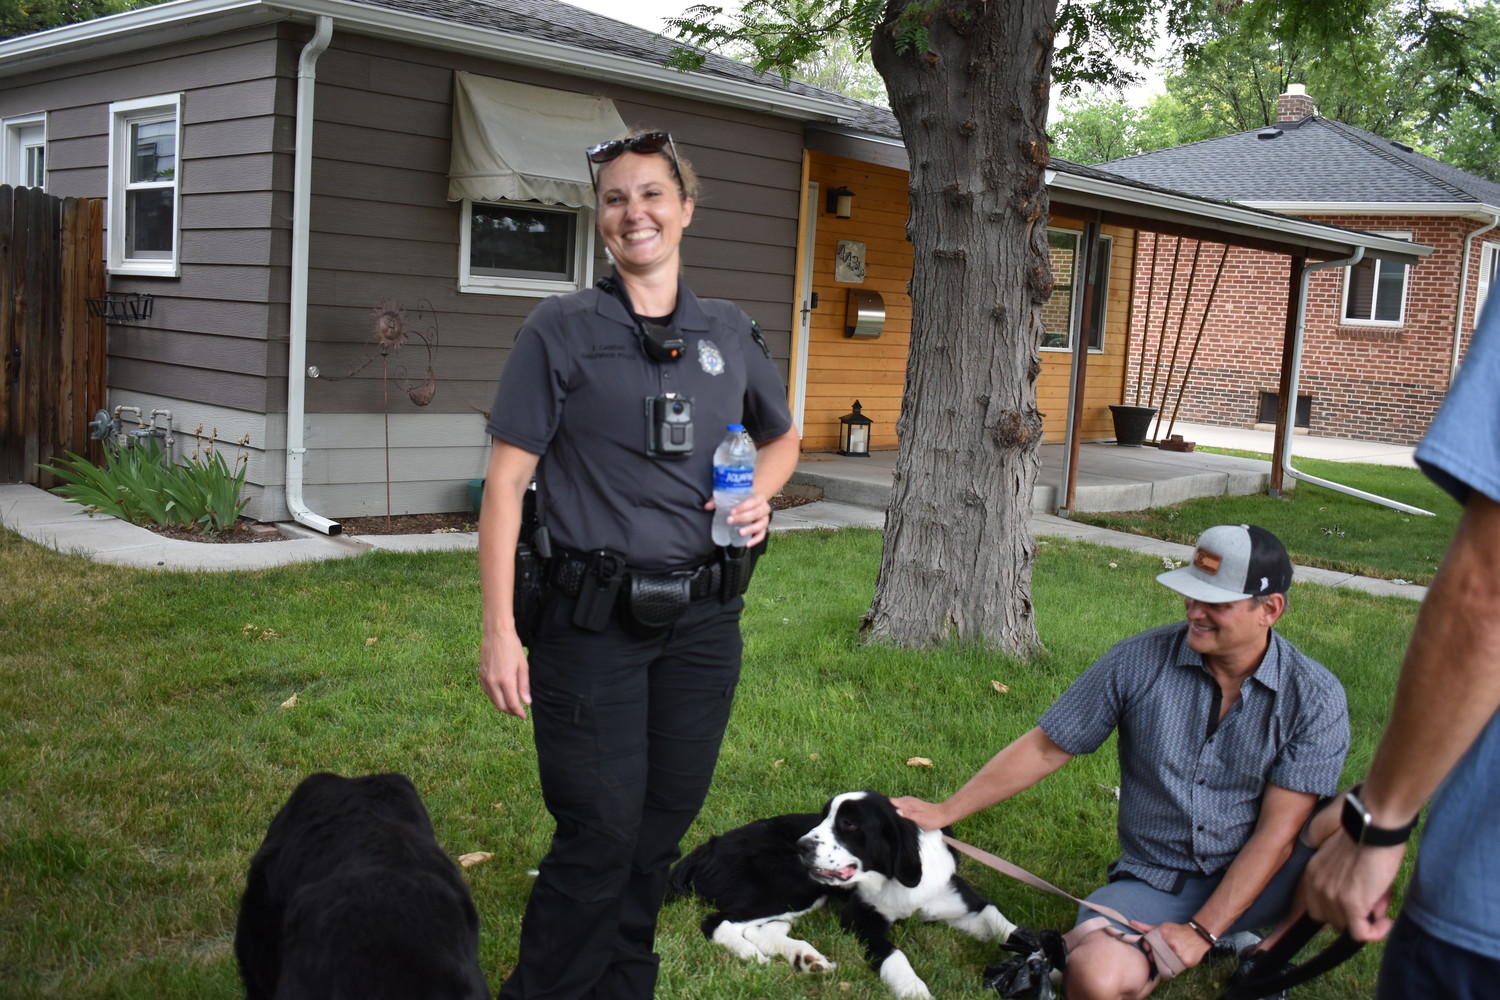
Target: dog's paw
<point x="901" y="979"/>
<point x="812" y="960"/>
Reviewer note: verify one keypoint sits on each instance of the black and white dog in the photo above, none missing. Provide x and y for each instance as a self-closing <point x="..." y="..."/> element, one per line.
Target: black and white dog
<point x="350" y="896"/>
<point x="763" y="875"/>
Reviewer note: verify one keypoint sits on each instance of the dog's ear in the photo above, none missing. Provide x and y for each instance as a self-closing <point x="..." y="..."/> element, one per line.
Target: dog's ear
<point x="906" y="850"/>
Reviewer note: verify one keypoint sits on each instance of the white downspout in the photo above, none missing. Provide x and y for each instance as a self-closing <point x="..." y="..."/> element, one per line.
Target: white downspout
<point x="1463" y="294"/>
<point x="1285" y="458"/>
<point x="296" y="386"/>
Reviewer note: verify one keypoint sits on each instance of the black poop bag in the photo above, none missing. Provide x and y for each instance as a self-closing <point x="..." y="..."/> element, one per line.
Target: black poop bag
<point x="1028" y="972"/>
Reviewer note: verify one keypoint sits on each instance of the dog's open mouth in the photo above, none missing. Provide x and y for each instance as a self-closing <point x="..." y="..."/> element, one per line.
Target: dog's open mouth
<point x="834" y="874"/>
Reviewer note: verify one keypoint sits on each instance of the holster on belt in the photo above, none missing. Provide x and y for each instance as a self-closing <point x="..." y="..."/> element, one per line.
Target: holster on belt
<point x="738" y="565"/>
<point x="529" y="591"/>
<point x="599" y="589"/>
<point x="657" y="600"/>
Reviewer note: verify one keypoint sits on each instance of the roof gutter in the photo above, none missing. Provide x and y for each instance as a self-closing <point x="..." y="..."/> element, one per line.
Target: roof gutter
<point x="1463" y="294"/>
<point x="148" y="26"/>
<point x="1468" y="209"/>
<point x="296" y="373"/>
<point x="1285" y="458"/>
<point x="1316" y="235"/>
<point x="536" y="52"/>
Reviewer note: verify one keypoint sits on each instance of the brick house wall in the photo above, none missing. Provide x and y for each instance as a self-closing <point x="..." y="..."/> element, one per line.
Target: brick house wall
<point x="1366" y="382"/>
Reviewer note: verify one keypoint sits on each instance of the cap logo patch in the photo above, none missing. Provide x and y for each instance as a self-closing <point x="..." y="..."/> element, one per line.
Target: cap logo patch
<point x="1206" y="561"/>
<point x="1265" y="583"/>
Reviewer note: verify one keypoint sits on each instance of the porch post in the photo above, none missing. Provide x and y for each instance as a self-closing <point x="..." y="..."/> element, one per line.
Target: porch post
<point x="1282" y="442"/>
<point x="1078" y="381"/>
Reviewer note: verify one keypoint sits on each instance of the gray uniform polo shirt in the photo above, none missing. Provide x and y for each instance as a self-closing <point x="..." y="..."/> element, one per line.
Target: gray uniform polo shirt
<point x="574" y="391"/>
<point x="1190" y="797"/>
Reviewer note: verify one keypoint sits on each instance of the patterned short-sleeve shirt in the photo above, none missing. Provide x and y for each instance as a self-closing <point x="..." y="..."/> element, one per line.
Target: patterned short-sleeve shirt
<point x="1190" y="792"/>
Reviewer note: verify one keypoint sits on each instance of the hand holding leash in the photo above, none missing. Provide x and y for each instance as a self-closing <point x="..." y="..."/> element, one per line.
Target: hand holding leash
<point x="1348" y="887"/>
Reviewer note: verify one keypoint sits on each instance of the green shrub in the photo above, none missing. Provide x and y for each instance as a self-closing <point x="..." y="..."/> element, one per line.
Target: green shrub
<point x="138" y="485"/>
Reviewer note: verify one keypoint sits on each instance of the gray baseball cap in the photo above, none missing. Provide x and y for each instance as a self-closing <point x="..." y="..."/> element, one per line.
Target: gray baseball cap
<point x="1233" y="562"/>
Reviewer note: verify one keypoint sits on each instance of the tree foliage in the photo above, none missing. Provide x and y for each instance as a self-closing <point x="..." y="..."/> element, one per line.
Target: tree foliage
<point x="1226" y="77"/>
<point x="970" y="82"/>
<point x="25" y="17"/>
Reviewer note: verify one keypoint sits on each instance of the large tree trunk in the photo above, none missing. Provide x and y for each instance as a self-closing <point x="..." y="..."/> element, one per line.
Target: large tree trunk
<point x="972" y="105"/>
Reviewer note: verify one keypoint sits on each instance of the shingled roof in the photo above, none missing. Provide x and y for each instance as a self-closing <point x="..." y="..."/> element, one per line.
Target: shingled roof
<point x="1313" y="161"/>
<point x="564" y="24"/>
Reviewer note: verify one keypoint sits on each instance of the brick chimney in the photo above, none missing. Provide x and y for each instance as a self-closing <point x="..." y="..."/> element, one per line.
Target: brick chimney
<point x="1295" y="105"/>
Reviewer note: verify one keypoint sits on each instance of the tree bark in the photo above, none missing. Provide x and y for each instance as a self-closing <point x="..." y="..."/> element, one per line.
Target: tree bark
<point x="972" y="105"/>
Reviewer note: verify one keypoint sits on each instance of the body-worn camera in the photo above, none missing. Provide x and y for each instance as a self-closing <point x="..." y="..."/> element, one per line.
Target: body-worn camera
<point x="669" y="425"/>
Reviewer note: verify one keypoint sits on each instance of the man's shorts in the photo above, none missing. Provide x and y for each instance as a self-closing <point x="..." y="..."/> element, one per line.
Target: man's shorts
<point x="1139" y="901"/>
<point x="1418" y="964"/>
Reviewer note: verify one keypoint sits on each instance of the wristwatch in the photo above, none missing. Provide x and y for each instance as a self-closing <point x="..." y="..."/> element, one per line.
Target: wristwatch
<point x="1361" y="828"/>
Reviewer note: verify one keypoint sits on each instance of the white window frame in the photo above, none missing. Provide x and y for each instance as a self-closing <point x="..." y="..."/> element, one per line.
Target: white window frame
<point x="1489" y="271"/>
<point x="1346" y="320"/>
<point x="122" y="115"/>
<point x="1078" y="285"/>
<point x="490" y="284"/>
<point x="18" y="139"/>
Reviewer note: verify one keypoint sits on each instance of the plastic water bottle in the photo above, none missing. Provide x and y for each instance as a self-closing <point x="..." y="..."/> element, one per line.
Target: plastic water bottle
<point x="734" y="475"/>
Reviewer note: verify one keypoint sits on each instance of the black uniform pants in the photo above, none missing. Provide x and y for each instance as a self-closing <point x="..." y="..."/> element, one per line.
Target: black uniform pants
<point x="627" y="735"/>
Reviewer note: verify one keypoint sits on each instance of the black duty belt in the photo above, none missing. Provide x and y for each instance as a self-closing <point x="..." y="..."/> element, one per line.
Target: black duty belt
<point x="568" y="573"/>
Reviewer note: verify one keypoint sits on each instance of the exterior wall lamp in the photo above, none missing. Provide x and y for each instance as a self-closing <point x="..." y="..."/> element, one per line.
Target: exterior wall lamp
<point x="841" y="202"/>
<point x="854" y="433"/>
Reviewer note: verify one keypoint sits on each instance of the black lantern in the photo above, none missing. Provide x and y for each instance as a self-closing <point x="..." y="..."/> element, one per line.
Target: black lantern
<point x="854" y="433"/>
<point x="841" y="202"/>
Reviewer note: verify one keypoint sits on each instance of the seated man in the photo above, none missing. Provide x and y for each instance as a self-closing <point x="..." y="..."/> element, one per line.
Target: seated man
<point x="1228" y="737"/>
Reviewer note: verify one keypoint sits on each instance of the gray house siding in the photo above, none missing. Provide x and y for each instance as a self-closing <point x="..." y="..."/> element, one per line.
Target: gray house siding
<point x="215" y="350"/>
<point x="217" y="332"/>
<point x="382" y="228"/>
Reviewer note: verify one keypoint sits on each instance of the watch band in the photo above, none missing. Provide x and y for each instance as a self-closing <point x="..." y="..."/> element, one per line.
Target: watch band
<point x="1361" y="828"/>
<point x="1204" y="933"/>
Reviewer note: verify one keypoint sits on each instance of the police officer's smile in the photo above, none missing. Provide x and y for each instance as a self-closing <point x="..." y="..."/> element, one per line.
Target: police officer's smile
<point x="642" y="213"/>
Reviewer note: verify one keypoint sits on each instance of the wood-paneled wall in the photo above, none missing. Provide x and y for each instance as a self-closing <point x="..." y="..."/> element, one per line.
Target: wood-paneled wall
<point x="1105" y="371"/>
<point x="841" y="369"/>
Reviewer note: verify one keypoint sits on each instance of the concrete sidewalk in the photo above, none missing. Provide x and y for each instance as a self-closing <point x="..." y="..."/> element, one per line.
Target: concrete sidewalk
<point x="51" y="521"/>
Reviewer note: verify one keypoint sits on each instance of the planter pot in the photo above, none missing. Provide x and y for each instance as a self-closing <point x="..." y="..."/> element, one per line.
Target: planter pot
<point x="1131" y="423"/>
<point x="476" y="493"/>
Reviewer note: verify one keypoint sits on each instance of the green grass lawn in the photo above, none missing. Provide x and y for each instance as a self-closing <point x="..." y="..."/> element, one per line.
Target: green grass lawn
<point x="143" y="749"/>
<point x="1319" y="526"/>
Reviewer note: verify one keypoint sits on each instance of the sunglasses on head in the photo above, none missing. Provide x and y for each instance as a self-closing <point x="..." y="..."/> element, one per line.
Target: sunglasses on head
<point x="649" y="143"/>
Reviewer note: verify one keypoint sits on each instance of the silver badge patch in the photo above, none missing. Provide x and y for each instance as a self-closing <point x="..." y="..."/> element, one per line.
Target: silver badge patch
<point x="710" y="358"/>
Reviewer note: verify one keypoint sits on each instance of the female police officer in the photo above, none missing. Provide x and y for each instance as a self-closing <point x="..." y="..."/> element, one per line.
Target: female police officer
<point x="615" y="397"/>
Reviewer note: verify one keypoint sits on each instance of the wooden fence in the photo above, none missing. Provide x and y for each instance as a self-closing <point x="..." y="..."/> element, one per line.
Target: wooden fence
<point x="51" y="345"/>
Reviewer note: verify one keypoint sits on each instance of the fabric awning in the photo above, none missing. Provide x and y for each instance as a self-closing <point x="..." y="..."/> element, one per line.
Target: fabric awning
<point x="516" y="142"/>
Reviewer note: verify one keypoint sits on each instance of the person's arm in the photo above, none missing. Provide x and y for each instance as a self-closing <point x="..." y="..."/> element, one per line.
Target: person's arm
<point x="503" y="671"/>
<point x="1448" y="691"/>
<point x="1025" y="760"/>
<point x="775" y="461"/>
<point x="1283" y="813"/>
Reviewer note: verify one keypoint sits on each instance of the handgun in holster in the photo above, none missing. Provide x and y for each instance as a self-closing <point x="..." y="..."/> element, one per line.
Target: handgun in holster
<point x="599" y="590"/>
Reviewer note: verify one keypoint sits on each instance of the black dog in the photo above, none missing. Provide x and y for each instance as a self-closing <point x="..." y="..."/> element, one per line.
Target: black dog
<point x="763" y="875"/>
<point x="350" y="896"/>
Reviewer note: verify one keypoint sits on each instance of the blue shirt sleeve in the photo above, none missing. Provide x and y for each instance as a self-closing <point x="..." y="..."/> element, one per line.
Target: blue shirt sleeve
<point x="1462" y="448"/>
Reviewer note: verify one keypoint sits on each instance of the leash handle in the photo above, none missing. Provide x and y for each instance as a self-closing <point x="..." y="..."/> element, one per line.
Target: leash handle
<point x="1281" y="974"/>
<point x="1166" y="961"/>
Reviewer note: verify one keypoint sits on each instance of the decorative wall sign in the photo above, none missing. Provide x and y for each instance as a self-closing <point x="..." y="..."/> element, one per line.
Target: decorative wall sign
<point x="849" y="265"/>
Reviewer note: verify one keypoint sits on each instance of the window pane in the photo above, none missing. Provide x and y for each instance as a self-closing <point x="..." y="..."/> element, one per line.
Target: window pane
<point x="148" y="224"/>
<point x="1101" y="291"/>
<point x="1361" y="290"/>
<point x="34" y="166"/>
<point x="1388" y="291"/>
<point x="514" y="242"/>
<point x="153" y="151"/>
<point x="1057" y="312"/>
